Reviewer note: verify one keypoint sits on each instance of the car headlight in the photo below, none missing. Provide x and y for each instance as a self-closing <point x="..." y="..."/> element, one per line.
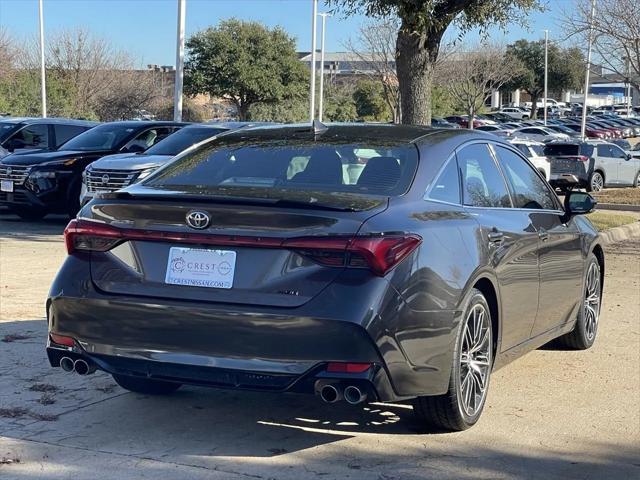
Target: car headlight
<point x="144" y="174"/>
<point x="37" y="174"/>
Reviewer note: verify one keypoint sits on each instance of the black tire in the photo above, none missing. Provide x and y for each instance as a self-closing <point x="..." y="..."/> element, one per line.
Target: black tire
<point x="584" y="334"/>
<point x="29" y="214"/>
<point x="636" y="182"/>
<point x="446" y="412"/>
<point x="596" y="182"/>
<point x="146" y="385"/>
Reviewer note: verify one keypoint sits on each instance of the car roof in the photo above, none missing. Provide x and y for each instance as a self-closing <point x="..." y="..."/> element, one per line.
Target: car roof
<point x="147" y="123"/>
<point x="53" y="120"/>
<point x="341" y="132"/>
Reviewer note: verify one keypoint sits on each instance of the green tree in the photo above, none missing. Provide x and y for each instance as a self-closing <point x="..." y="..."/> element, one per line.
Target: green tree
<point x="370" y="102"/>
<point x="245" y="62"/>
<point x="422" y="27"/>
<point x="289" y="110"/>
<point x="339" y="104"/>
<point x="565" y="68"/>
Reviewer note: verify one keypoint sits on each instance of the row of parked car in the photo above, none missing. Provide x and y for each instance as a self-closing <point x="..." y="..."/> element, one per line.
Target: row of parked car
<point x="57" y="165"/>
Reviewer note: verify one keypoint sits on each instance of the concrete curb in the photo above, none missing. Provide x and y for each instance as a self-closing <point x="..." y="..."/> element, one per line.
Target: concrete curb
<point x="620" y="234"/>
<point x="618" y="206"/>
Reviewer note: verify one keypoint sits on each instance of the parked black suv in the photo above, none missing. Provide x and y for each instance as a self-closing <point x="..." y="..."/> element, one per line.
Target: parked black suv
<point x="21" y="135"/>
<point x="35" y="184"/>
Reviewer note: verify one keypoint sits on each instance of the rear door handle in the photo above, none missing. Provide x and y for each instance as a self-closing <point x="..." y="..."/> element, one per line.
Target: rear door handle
<point x="496" y="236"/>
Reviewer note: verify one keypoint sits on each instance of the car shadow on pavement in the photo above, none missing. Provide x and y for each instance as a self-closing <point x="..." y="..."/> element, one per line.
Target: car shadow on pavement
<point x="12" y="226"/>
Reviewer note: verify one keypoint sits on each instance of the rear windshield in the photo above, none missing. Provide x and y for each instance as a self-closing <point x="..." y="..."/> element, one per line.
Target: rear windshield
<point x="183" y="139"/>
<point x="560" y="149"/>
<point x="102" y="137"/>
<point x="294" y="165"/>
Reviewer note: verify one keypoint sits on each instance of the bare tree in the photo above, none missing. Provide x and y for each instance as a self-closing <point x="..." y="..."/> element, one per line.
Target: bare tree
<point x="375" y="48"/>
<point x="616" y="29"/>
<point x="7" y="54"/>
<point x="471" y="76"/>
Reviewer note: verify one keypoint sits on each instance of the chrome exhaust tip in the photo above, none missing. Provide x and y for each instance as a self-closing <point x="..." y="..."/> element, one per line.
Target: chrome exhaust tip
<point x="354" y="395"/>
<point x="330" y="394"/>
<point x="67" y="364"/>
<point x="83" y="368"/>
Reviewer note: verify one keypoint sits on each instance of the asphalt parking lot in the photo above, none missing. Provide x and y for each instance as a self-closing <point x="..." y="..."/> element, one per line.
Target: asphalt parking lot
<point x="552" y="414"/>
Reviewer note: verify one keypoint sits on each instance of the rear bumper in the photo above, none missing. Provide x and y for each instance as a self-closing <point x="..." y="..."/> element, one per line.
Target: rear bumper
<point x="223" y="345"/>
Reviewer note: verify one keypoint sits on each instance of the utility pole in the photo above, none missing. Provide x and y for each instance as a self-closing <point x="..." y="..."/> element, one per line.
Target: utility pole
<point x="583" y="126"/>
<point x="43" y="82"/>
<point x="321" y="101"/>
<point x="177" y="98"/>
<point x="546" y="74"/>
<point x="312" y="103"/>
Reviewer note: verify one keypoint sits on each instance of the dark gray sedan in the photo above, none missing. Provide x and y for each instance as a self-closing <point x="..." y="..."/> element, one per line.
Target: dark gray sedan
<point x="354" y="262"/>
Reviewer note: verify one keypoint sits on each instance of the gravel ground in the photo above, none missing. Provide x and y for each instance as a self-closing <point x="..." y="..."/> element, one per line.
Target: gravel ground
<point x="550" y="415"/>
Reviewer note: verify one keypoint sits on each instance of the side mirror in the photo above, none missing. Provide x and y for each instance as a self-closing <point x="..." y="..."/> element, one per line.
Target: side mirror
<point x="629" y="156"/>
<point x="578" y="203"/>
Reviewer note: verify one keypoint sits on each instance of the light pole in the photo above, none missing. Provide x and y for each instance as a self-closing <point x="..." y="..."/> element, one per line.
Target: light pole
<point x="177" y="97"/>
<point x="43" y="83"/>
<point x="312" y="102"/>
<point x="321" y="101"/>
<point x="628" y="92"/>
<point x="583" y="125"/>
<point x="546" y="74"/>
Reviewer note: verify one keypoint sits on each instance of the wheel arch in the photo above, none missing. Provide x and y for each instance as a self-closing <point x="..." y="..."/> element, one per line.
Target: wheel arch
<point x="598" y="251"/>
<point x="490" y="292"/>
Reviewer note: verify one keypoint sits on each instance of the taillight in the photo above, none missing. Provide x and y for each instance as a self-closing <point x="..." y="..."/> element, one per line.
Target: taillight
<point x="90" y="236"/>
<point x="583" y="158"/>
<point x="378" y="253"/>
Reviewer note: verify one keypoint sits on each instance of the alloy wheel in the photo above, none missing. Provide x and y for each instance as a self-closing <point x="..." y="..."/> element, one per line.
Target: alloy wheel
<point x="475" y="360"/>
<point x="597" y="182"/>
<point x="592" y="301"/>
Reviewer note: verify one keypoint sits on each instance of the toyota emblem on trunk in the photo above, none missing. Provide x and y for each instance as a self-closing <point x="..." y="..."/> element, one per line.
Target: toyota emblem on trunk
<point x="198" y="220"/>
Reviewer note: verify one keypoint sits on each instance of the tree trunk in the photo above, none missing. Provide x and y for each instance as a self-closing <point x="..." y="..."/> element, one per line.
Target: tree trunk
<point x="243" y="111"/>
<point x="534" y="106"/>
<point x="416" y="55"/>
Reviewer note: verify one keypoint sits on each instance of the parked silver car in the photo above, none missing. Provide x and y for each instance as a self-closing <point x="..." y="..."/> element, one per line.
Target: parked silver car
<point x="540" y="134"/>
<point x="596" y="164"/>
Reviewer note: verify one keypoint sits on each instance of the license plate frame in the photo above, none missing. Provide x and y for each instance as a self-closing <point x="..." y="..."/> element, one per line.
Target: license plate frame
<point x="199" y="267"/>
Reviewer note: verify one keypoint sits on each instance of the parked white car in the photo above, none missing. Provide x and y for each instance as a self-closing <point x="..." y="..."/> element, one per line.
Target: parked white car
<point x="540" y="134"/>
<point x="515" y="113"/>
<point x="534" y="151"/>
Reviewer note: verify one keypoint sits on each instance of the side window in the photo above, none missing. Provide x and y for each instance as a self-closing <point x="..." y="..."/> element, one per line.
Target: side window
<point x="446" y="188"/>
<point x="617" y="152"/>
<point x="65" y="133"/>
<point x="483" y="184"/>
<point x="32" y="136"/>
<point x="529" y="189"/>
<point x="147" y="139"/>
<point x="529" y="130"/>
<point x="604" y="151"/>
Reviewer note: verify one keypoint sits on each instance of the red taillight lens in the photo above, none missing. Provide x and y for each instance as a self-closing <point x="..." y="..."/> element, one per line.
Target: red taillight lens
<point x="342" y="367"/>
<point x="378" y="253"/>
<point x="90" y="236"/>
<point x="583" y="158"/>
<point x="62" y="340"/>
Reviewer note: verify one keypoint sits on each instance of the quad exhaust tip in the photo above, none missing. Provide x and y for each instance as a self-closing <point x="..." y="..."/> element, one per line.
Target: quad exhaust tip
<point x="354" y="395"/>
<point x="83" y="368"/>
<point x="67" y="364"/>
<point x="330" y="394"/>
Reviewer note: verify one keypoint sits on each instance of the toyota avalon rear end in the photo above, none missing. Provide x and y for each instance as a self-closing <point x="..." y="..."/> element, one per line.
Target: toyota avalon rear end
<point x="247" y="264"/>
